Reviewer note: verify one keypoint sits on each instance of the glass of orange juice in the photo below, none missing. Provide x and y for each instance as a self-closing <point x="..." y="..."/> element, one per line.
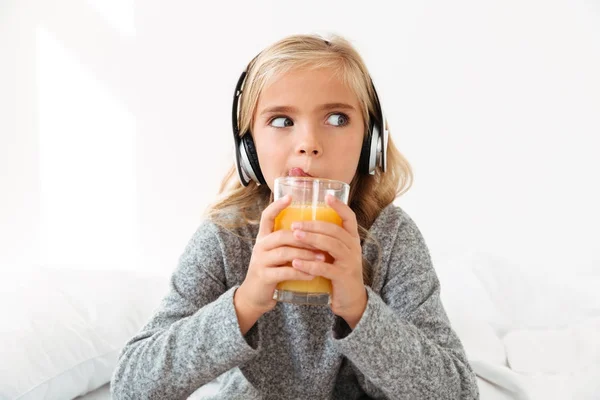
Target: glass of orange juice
<point x="308" y="204"/>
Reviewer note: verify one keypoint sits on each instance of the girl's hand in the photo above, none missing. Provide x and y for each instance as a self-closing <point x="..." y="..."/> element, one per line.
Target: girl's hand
<point x="271" y="252"/>
<point x="349" y="298"/>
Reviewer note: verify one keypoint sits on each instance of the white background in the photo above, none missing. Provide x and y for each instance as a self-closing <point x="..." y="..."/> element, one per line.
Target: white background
<point x="115" y="122"/>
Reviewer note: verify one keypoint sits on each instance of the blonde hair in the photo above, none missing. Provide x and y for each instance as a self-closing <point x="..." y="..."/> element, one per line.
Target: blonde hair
<point x="238" y="205"/>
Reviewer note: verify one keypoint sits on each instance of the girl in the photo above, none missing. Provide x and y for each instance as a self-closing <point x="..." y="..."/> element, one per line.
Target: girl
<point x="308" y="107"/>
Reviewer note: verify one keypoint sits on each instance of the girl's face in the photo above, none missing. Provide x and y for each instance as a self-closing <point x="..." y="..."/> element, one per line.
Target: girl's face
<point x="308" y="122"/>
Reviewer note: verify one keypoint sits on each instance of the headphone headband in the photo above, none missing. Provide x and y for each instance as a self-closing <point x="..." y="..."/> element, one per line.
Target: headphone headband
<point x="243" y="176"/>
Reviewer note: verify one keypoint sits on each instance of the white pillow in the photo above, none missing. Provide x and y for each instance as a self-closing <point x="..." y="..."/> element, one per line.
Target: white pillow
<point x="62" y="330"/>
<point x="572" y="349"/>
<point x="472" y="314"/>
<point x="562" y="361"/>
<point x="530" y="298"/>
<point x="463" y="294"/>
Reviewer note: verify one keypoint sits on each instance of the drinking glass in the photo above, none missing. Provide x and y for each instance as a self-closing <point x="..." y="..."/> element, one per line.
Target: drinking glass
<point x="308" y="204"/>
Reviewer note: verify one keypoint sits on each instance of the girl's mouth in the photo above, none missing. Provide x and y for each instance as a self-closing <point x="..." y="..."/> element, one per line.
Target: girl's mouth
<point x="298" y="172"/>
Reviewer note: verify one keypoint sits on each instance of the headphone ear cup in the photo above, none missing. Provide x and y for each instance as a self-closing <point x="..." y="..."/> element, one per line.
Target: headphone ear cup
<point x="365" y="153"/>
<point x="375" y="148"/>
<point x="250" y="149"/>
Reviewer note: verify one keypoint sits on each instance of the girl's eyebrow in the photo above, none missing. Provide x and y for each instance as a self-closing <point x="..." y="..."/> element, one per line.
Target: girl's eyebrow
<point x="331" y="106"/>
<point x="322" y="107"/>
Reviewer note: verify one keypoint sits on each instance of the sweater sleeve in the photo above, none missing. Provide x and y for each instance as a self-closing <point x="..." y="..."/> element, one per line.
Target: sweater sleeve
<point x="192" y="338"/>
<point x="404" y="346"/>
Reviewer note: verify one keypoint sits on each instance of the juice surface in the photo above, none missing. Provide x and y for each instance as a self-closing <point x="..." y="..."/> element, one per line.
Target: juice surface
<point x="301" y="212"/>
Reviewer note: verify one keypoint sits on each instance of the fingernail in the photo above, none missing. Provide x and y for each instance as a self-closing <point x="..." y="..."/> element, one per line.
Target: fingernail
<point x="296" y="225"/>
<point x="299" y="234"/>
<point x="320" y="257"/>
<point x="297" y="263"/>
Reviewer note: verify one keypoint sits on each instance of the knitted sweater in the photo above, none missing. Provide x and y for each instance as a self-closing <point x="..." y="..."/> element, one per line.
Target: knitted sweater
<point x="403" y="347"/>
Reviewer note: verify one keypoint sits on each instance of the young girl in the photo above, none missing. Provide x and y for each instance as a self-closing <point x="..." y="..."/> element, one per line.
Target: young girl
<point x="306" y="107"/>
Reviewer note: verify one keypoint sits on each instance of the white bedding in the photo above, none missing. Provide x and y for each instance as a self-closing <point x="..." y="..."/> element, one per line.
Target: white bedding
<point x="102" y="393"/>
<point x="535" y="336"/>
<point x="64" y="329"/>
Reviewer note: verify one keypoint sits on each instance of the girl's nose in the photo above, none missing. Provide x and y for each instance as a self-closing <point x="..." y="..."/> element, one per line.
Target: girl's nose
<point x="309" y="144"/>
<point x="309" y="150"/>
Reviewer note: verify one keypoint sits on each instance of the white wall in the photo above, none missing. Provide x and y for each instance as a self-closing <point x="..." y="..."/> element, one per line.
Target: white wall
<point x="115" y="121"/>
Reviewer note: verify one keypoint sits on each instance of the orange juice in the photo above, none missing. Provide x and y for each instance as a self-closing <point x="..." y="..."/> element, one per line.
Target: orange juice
<point x="306" y="212"/>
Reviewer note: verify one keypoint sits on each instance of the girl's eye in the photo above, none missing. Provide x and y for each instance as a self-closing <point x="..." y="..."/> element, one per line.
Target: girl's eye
<point x="338" y="119"/>
<point x="281" y="122"/>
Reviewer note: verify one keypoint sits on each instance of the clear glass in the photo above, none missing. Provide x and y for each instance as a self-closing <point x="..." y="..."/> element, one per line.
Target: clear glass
<point x="308" y="203"/>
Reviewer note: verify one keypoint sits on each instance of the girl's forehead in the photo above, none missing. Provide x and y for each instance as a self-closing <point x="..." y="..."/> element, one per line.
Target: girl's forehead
<point x="306" y="84"/>
<point x="304" y="75"/>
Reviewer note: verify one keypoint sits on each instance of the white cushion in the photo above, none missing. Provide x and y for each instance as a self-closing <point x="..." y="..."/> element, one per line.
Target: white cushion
<point x="530" y="298"/>
<point x="561" y="362"/>
<point x="528" y="333"/>
<point x="462" y="291"/>
<point x="62" y="329"/>
<point x="472" y="314"/>
<point x="571" y="349"/>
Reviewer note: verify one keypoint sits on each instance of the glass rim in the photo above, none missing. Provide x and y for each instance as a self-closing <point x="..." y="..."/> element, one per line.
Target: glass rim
<point x="283" y="179"/>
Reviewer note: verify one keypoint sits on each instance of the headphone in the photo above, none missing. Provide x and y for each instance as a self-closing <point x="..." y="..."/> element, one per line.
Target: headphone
<point x="372" y="154"/>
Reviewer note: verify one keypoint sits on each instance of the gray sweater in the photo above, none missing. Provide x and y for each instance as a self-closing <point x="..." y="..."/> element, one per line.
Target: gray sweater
<point x="402" y="348"/>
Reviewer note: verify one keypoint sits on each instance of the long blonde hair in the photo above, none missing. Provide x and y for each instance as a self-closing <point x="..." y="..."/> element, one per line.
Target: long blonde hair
<point x="238" y="205"/>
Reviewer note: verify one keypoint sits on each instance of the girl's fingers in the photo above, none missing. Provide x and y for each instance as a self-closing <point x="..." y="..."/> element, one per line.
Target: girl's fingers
<point x="315" y="268"/>
<point x="285" y="254"/>
<point x="346" y="214"/>
<point x="282" y="238"/>
<point x="332" y="245"/>
<point x="280" y="274"/>
<point x="267" y="218"/>
<point x="325" y="229"/>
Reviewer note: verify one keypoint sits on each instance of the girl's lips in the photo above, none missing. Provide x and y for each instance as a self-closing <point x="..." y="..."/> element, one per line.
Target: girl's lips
<point x="297" y="172"/>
